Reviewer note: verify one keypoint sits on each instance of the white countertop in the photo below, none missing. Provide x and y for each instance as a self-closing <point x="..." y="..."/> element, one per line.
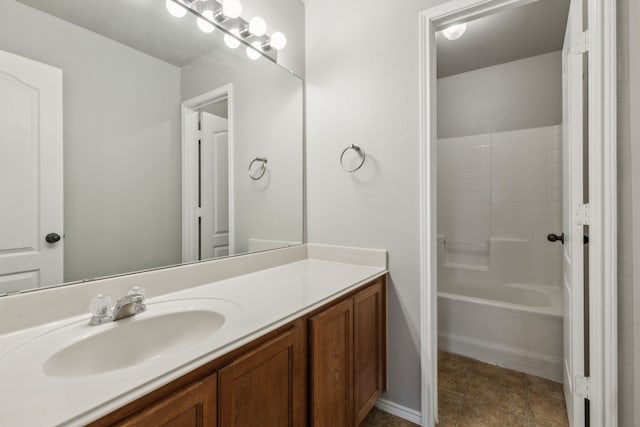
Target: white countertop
<point x="266" y="300"/>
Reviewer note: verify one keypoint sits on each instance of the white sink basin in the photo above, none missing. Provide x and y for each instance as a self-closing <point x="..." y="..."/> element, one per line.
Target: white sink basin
<point x="133" y="341"/>
<point x="167" y="330"/>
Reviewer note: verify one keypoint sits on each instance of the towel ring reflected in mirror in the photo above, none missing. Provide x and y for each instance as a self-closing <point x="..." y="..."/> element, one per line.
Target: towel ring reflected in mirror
<point x="263" y="168"/>
<point x="360" y="152"/>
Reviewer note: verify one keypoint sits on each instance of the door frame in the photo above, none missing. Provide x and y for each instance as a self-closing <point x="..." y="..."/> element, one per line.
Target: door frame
<point x="602" y="197"/>
<point x="190" y="170"/>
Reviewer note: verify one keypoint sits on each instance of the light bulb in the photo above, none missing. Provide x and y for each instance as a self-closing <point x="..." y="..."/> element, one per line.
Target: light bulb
<point x="231" y="8"/>
<point x="257" y="26"/>
<point x="278" y="40"/>
<point x="454" y="32"/>
<point x="175" y="9"/>
<point x="253" y="53"/>
<point x="204" y="25"/>
<point x="231" y="41"/>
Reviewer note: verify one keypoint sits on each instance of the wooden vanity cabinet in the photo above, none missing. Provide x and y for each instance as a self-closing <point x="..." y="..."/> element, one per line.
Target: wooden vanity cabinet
<point x="326" y="368"/>
<point x="348" y="358"/>
<point x="267" y="386"/>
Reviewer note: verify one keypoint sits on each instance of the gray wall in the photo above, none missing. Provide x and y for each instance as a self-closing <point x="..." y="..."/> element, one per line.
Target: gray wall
<point x="522" y="94"/>
<point x="628" y="212"/>
<point x="121" y="144"/>
<point x="267" y="122"/>
<point x="362" y="88"/>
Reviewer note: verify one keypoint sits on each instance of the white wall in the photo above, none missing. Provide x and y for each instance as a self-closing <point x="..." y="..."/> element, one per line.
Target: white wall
<point x="121" y="144"/>
<point x="267" y="122"/>
<point x="499" y="195"/>
<point x="521" y="94"/>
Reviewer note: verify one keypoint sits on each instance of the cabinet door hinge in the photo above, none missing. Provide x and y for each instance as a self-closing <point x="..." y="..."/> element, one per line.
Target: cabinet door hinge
<point x="581" y="44"/>
<point x="583" y="387"/>
<point x="582" y="214"/>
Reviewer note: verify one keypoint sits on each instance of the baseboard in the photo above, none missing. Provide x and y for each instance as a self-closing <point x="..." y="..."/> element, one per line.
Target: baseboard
<point x="399" y="411"/>
<point x="541" y="365"/>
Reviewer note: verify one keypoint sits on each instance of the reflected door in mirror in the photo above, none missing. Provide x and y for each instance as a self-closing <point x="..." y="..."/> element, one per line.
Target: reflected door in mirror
<point x="30" y="173"/>
<point x="214" y="173"/>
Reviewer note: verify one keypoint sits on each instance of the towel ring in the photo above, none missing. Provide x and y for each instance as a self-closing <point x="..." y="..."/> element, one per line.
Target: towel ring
<point x="358" y="150"/>
<point x="263" y="161"/>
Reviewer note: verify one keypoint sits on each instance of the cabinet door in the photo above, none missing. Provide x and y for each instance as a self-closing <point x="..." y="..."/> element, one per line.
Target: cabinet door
<point x="192" y="406"/>
<point x="369" y="349"/>
<point x="267" y="386"/>
<point x="332" y="366"/>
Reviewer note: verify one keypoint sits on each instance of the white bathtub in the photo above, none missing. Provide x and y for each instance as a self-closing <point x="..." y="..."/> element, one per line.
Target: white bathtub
<point x="514" y="326"/>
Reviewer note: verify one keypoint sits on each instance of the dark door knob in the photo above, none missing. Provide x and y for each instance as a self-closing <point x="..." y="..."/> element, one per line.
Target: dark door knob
<point x="52" y="238"/>
<point x="554" y="238"/>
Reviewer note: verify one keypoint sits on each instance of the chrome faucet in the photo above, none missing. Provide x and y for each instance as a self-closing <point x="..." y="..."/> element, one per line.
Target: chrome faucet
<point x="127" y="306"/>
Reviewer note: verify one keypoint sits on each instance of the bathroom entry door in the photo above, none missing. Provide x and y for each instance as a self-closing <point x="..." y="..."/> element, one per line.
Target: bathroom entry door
<point x="214" y="187"/>
<point x="573" y="101"/>
<point x="30" y="174"/>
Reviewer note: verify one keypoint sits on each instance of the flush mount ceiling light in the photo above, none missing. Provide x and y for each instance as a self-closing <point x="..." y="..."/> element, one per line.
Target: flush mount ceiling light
<point x="454" y="32"/>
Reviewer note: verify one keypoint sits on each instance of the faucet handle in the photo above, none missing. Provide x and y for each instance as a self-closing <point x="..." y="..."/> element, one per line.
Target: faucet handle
<point x="100" y="305"/>
<point x="100" y="308"/>
<point x="137" y="290"/>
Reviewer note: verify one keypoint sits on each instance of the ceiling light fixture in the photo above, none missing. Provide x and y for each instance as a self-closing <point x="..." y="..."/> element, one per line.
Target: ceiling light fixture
<point x="454" y="32"/>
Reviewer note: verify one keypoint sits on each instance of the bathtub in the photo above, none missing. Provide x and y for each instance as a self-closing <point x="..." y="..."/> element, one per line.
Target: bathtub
<point x="511" y="325"/>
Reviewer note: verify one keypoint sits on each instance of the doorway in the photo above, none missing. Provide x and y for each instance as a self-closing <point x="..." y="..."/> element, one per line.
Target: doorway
<point x="207" y="175"/>
<point x="597" y="385"/>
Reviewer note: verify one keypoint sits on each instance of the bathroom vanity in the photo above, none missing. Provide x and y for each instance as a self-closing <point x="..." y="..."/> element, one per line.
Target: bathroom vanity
<point x="300" y="340"/>
<point x="336" y="352"/>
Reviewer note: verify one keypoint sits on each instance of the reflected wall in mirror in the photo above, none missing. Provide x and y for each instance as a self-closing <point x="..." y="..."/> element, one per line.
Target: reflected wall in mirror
<point x="125" y="142"/>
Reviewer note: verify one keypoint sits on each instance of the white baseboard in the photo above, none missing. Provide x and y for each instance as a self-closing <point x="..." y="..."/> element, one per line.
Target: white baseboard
<point x="541" y="365"/>
<point x="399" y="411"/>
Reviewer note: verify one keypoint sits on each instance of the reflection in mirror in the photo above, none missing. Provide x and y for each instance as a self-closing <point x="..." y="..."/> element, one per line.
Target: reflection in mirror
<point x="126" y="137"/>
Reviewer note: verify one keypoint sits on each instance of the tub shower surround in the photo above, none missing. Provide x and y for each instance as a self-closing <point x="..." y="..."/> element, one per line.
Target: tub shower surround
<point x="499" y="279"/>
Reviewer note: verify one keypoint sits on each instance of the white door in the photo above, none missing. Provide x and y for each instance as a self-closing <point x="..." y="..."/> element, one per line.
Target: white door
<point x="31" y="204"/>
<point x="573" y="200"/>
<point x="214" y="187"/>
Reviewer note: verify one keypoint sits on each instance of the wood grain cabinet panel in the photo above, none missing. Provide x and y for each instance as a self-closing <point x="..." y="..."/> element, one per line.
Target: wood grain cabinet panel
<point x="267" y="386"/>
<point x="332" y="366"/>
<point x="369" y="349"/>
<point x="192" y="406"/>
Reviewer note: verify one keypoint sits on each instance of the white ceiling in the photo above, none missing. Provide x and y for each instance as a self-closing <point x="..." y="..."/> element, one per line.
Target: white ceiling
<point x="144" y="25"/>
<point x="522" y="32"/>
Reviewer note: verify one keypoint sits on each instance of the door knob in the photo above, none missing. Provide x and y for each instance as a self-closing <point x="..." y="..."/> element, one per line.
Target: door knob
<point x="52" y="238"/>
<point x="554" y="238"/>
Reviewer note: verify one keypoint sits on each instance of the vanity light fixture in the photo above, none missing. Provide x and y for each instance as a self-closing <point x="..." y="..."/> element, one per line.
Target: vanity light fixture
<point x="254" y="53"/>
<point x="454" y="32"/>
<point x="175" y="8"/>
<point x="231" y="9"/>
<point x="277" y="41"/>
<point x="230" y="41"/>
<point x="204" y="24"/>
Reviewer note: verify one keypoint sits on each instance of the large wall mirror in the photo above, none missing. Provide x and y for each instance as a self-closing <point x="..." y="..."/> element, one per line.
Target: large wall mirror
<point x="132" y="140"/>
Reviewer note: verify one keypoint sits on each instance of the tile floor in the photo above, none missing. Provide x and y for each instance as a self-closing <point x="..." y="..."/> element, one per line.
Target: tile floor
<point x="472" y="393"/>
